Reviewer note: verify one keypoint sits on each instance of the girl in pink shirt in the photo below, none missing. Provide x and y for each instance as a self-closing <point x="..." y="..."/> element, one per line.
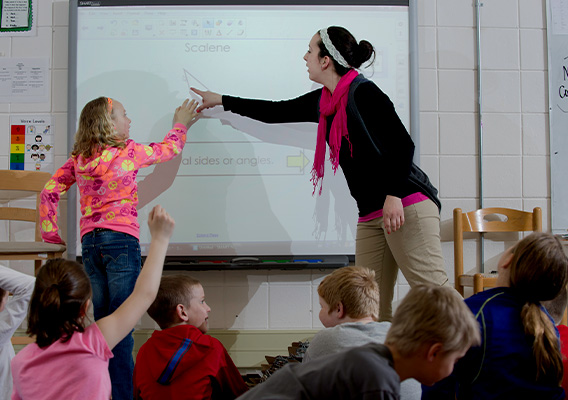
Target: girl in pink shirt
<point x="104" y="164"/>
<point x="69" y="360"/>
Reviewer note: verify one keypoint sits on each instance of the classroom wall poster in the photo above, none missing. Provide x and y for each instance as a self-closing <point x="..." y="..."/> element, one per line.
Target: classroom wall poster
<point x="18" y="17"/>
<point x="24" y="80"/>
<point x="31" y="143"/>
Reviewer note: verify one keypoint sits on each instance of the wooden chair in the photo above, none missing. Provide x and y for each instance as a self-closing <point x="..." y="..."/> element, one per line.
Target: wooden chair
<point x="31" y="182"/>
<point x="482" y="221"/>
<point x="22" y="340"/>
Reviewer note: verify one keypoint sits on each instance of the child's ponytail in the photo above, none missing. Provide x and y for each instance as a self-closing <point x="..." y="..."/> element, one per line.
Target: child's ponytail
<point x="51" y="300"/>
<point x="59" y="301"/>
<point x="538" y="272"/>
<point x="546" y="347"/>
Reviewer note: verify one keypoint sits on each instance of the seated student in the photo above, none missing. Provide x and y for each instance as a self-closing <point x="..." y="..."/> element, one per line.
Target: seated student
<point x="69" y="360"/>
<point x="556" y="308"/>
<point x="349" y="299"/>
<point x="180" y="361"/>
<point x="431" y="329"/>
<point x="13" y="311"/>
<point x="520" y="356"/>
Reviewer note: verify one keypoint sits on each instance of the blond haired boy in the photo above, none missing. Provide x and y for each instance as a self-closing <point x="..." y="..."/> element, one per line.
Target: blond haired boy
<point x="181" y="361"/>
<point x="349" y="300"/>
<point x="431" y="329"/>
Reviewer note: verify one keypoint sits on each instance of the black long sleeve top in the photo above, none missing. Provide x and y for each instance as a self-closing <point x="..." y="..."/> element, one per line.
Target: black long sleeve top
<point x="382" y="150"/>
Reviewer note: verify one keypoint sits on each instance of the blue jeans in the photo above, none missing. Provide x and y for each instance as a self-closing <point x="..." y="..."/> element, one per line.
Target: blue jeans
<point x="113" y="262"/>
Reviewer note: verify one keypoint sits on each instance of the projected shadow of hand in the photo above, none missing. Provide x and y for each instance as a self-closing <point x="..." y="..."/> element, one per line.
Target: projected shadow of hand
<point x="303" y="136"/>
<point x="151" y="120"/>
<point x="161" y="178"/>
<point x="334" y="187"/>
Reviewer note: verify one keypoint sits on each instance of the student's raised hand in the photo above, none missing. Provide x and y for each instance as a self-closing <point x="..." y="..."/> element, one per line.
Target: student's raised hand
<point x="210" y="99"/>
<point x="161" y="224"/>
<point x="185" y="113"/>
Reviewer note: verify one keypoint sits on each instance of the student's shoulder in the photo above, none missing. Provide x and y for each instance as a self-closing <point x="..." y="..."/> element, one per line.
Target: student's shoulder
<point x="93" y="339"/>
<point x="352" y="329"/>
<point x="371" y="350"/>
<point x="211" y="342"/>
<point x="175" y="334"/>
<point x="370" y="357"/>
<point x="29" y="352"/>
<point x="490" y="298"/>
<point x="495" y="306"/>
<point x="130" y="144"/>
<point x="194" y="334"/>
<point x="324" y="336"/>
<point x="331" y="331"/>
<point x="369" y="327"/>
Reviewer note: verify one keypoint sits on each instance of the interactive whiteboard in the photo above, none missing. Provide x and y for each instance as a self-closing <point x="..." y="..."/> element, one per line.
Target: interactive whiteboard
<point x="240" y="187"/>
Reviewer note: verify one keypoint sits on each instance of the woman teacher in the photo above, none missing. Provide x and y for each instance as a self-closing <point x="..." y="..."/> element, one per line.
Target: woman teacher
<point x="399" y="222"/>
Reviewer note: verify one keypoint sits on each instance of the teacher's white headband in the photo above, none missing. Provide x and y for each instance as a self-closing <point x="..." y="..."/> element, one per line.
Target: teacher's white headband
<point x="335" y="54"/>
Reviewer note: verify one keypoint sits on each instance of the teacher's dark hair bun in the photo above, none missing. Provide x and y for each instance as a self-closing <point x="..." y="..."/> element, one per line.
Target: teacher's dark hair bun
<point x="354" y="53"/>
<point x="365" y="52"/>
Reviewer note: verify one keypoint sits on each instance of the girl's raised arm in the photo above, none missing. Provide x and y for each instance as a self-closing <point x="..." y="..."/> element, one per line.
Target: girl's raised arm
<point x="117" y="325"/>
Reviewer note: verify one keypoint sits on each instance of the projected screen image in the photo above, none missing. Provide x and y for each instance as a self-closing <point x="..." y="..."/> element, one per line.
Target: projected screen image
<point x="240" y="187"/>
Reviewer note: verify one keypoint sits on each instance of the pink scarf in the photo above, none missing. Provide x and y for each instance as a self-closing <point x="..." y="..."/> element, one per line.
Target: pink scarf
<point x="330" y="104"/>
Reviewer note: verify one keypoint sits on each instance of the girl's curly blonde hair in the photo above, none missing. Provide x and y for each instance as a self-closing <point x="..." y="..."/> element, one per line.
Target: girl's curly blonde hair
<point x="96" y="130"/>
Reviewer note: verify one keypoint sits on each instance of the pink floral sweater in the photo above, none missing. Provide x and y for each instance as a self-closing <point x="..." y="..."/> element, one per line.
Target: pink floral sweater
<point x="107" y="185"/>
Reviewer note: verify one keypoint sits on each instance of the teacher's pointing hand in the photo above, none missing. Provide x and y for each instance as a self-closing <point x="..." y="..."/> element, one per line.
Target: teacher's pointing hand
<point x="209" y="99"/>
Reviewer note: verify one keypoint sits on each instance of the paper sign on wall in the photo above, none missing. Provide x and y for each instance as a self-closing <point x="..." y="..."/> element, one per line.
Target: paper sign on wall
<point x="24" y="80"/>
<point x="18" y="17"/>
<point x="31" y="143"/>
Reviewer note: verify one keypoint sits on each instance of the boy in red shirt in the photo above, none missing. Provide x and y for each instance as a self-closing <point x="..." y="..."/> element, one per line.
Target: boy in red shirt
<point x="180" y="361"/>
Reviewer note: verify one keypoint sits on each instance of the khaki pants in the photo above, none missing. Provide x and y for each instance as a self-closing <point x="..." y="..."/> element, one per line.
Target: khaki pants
<point x="415" y="248"/>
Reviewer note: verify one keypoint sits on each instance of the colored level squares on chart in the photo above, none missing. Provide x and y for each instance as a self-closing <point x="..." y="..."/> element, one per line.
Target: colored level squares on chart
<point x="18" y="130"/>
<point x="17" y="158"/>
<point x="17" y="147"/>
<point x="18" y="139"/>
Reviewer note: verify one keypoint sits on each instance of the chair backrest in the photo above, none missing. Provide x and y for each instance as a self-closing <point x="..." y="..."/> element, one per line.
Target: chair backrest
<point x="498" y="219"/>
<point x="27" y="181"/>
<point x="494" y="219"/>
<point x="22" y="340"/>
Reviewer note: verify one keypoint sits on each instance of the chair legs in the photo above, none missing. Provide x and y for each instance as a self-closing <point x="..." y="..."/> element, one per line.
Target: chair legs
<point x="459" y="287"/>
<point x="477" y="283"/>
<point x="37" y="266"/>
<point x="480" y="282"/>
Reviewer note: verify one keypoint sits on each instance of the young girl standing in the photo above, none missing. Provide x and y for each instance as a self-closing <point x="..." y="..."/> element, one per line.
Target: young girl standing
<point x="69" y="359"/>
<point x="104" y="164"/>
